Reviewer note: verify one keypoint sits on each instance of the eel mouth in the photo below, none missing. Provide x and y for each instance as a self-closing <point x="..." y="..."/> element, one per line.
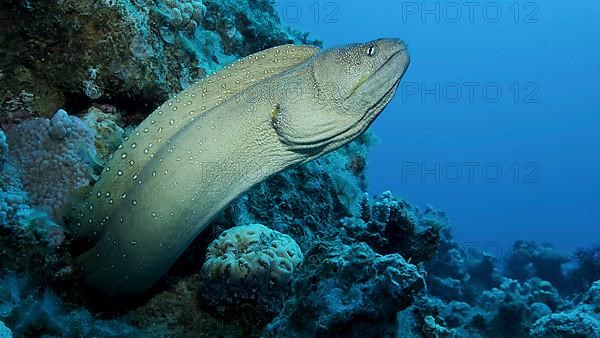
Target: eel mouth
<point x="400" y="57"/>
<point x="375" y="110"/>
<point x="400" y="54"/>
<point x="398" y="62"/>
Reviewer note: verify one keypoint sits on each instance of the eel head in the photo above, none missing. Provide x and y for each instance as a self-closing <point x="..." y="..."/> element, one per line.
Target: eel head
<point x="348" y="87"/>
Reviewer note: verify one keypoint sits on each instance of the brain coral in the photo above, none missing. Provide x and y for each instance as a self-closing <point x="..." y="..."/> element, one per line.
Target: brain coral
<point x="54" y="156"/>
<point x="249" y="263"/>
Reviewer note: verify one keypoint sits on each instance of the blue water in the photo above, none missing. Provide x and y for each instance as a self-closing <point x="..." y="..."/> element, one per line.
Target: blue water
<point x="533" y="148"/>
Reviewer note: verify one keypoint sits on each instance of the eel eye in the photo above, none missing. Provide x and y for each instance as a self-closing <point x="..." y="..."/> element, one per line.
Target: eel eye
<point x="372" y="51"/>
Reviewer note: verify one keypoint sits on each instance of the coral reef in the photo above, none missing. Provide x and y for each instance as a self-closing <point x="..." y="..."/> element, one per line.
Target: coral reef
<point x="171" y="44"/>
<point x="529" y="259"/>
<point x="373" y="266"/>
<point x="75" y="49"/>
<point x="349" y="291"/>
<point x="455" y="274"/>
<point x="468" y="295"/>
<point x="587" y="270"/>
<point x="250" y="263"/>
<point x="506" y="311"/>
<point x="581" y="321"/>
<point x="247" y="26"/>
<point x="511" y="309"/>
<point x="390" y="225"/>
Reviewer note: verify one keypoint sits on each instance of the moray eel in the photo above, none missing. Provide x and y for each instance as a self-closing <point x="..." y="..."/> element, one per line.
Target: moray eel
<point x="212" y="142"/>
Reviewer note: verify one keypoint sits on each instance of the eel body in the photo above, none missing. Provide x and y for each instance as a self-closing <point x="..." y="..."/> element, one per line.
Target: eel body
<point x="212" y="142"/>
